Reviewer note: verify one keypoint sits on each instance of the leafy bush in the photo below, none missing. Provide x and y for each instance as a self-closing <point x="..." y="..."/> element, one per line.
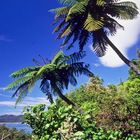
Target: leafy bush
<point x="112" y="107"/>
<point x="66" y="123"/>
<point x="108" y="113"/>
<point x="13" y="134"/>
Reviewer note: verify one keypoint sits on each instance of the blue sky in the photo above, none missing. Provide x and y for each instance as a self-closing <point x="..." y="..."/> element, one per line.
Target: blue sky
<point x="26" y="31"/>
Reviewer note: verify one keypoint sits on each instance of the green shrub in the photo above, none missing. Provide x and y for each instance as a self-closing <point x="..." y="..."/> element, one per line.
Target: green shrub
<point x="13" y="134"/>
<point x="66" y="123"/>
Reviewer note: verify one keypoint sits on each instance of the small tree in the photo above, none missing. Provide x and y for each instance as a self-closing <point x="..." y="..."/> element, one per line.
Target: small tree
<point x="55" y="76"/>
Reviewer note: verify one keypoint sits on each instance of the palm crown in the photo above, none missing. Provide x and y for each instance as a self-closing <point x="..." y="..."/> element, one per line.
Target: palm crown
<point x="82" y="19"/>
<point x="54" y="76"/>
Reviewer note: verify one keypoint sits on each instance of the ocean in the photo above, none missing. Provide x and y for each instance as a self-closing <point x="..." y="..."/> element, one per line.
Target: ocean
<point x="18" y="126"/>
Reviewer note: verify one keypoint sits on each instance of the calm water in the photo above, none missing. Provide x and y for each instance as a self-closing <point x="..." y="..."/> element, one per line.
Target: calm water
<point x="19" y="126"/>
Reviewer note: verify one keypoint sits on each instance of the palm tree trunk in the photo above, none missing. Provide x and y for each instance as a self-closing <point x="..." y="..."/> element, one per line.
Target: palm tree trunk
<point x="58" y="91"/>
<point x="69" y="102"/>
<point x="64" y="98"/>
<point x="50" y="98"/>
<point x="124" y="59"/>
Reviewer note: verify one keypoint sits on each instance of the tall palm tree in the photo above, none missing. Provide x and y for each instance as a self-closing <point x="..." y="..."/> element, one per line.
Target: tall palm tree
<point x="82" y="19"/>
<point x="53" y="77"/>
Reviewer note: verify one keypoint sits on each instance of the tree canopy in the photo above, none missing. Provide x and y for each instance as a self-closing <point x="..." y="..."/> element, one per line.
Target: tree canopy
<point x="79" y="20"/>
<point x="53" y="77"/>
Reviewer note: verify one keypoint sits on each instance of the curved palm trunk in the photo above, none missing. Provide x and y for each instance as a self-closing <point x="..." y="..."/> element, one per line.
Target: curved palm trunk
<point x="69" y="102"/>
<point x="65" y="98"/>
<point x="50" y="98"/>
<point x="124" y="59"/>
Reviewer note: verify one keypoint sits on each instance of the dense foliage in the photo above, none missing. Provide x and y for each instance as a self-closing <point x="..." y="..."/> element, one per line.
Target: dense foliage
<point x="79" y="20"/>
<point x="105" y="113"/>
<point x="13" y="134"/>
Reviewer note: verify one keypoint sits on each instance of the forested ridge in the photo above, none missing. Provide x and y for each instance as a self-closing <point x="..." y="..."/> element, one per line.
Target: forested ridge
<point x="11" y="118"/>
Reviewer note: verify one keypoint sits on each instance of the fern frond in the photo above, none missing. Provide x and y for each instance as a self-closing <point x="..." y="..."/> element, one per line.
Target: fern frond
<point x="79" y="68"/>
<point x="17" y="83"/>
<point x="59" y="26"/>
<point x="83" y="38"/>
<point x="123" y="10"/>
<point x="66" y="32"/>
<point x="66" y="40"/>
<point x="92" y="25"/>
<point x="68" y="2"/>
<point x="60" y="11"/>
<point x="24" y="71"/>
<point x="21" y="93"/>
<point x="77" y="9"/>
<point x="45" y="69"/>
<point x="65" y="28"/>
<point x="99" y="43"/>
<point x="75" y="57"/>
<point x="58" y="58"/>
<point x="100" y="2"/>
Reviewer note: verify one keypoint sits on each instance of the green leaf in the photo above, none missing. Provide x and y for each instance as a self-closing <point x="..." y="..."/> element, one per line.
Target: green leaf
<point x="78" y="8"/>
<point x="91" y="24"/>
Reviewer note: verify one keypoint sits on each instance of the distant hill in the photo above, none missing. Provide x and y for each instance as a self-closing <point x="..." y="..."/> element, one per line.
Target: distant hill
<point x="11" y="118"/>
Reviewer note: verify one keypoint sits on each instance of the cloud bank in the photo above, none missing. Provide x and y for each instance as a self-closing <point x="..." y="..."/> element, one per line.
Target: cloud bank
<point x="29" y="101"/>
<point x="124" y="39"/>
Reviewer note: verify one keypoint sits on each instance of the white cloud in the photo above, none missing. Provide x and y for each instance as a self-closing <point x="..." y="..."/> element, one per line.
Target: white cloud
<point x="124" y="39"/>
<point x="7" y="103"/>
<point x="29" y="101"/>
<point x="3" y="95"/>
<point x="96" y="64"/>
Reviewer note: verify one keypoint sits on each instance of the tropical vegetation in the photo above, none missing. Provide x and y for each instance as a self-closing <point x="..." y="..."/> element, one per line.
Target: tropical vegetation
<point x="81" y="20"/>
<point x="13" y="134"/>
<point x="93" y="111"/>
<point x="54" y="76"/>
<point x="108" y="113"/>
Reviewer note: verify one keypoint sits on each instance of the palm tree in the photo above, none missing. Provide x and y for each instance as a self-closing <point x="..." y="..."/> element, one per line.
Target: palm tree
<point x="81" y="19"/>
<point x="53" y="77"/>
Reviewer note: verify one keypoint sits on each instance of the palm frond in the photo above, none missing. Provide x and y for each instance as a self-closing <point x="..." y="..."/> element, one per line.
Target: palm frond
<point x="78" y="8"/>
<point x="111" y="25"/>
<point x="68" y="2"/>
<point x="123" y="10"/>
<point x="66" y="32"/>
<point x="72" y="80"/>
<point x="45" y="69"/>
<point x="75" y="57"/>
<point x="91" y="24"/>
<point x="60" y="11"/>
<point x="67" y="38"/>
<point x="59" y="26"/>
<point x="66" y="28"/>
<point x="21" y="92"/>
<point x="78" y="69"/>
<point x="99" y="43"/>
<point x="58" y="58"/>
<point x="17" y="83"/>
<point x="83" y="38"/>
<point x="75" y="38"/>
<point x="100" y="2"/>
<point x="24" y="71"/>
